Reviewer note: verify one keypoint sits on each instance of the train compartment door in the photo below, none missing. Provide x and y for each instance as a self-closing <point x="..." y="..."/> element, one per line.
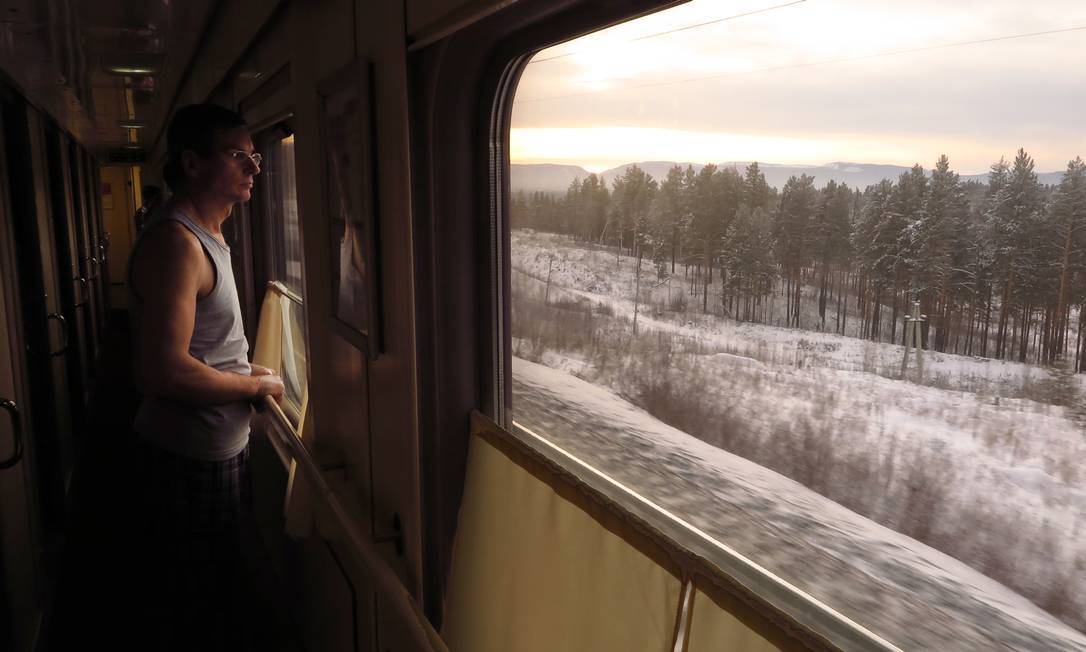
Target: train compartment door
<point x="45" y="323"/>
<point x="89" y="265"/>
<point x="73" y="284"/>
<point x="21" y="590"/>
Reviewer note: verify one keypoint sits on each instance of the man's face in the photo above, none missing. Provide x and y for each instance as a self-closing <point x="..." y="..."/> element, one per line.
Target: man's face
<point x="227" y="174"/>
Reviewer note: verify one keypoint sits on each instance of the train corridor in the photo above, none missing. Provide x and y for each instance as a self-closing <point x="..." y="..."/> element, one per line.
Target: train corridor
<point x="97" y="600"/>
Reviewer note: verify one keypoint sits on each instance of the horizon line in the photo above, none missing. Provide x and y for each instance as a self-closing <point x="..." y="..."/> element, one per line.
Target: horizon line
<point x="760" y="163"/>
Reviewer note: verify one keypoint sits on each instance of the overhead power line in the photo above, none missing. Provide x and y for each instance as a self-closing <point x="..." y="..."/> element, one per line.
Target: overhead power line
<point x="888" y="53"/>
<point x="678" y="29"/>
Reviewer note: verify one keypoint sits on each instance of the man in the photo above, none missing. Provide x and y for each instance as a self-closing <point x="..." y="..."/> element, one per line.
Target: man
<point x="198" y="387"/>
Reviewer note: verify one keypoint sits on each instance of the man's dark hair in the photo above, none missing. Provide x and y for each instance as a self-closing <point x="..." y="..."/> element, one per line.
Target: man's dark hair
<point x="193" y="128"/>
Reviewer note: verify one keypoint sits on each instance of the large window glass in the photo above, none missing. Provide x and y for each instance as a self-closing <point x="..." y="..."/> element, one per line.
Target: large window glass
<point x="278" y="210"/>
<point x="812" y="277"/>
<point x="282" y="201"/>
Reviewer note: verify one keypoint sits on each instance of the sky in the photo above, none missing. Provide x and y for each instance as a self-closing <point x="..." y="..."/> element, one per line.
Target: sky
<point x="813" y="82"/>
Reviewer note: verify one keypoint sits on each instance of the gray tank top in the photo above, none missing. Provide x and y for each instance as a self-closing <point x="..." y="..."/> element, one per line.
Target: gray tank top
<point x="202" y="432"/>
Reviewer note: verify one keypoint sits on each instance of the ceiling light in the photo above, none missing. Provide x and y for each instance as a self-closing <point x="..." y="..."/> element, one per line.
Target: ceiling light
<point x="131" y="124"/>
<point x="131" y="70"/>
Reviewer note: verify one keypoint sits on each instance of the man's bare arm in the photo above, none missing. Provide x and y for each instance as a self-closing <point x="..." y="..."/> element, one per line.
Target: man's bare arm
<point x="168" y="271"/>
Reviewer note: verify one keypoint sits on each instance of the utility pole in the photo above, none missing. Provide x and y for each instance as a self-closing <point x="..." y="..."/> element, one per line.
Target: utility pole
<point x="550" y="267"/>
<point x="912" y="338"/>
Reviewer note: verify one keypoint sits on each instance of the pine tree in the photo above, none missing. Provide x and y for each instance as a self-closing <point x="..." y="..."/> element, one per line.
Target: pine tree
<point x="594" y="203"/>
<point x="1013" y="221"/>
<point x="748" y="261"/>
<point x="757" y="193"/>
<point x="938" y="235"/>
<point x="671" y="210"/>
<point x="875" y="241"/>
<point x="705" y="224"/>
<point x="1068" y="215"/>
<point x="829" y="236"/>
<point x="908" y="216"/>
<point x="792" y="228"/>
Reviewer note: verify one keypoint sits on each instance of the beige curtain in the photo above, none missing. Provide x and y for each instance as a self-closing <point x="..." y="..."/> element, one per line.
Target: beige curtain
<point x="715" y="627"/>
<point x="268" y="352"/>
<point x="534" y="572"/>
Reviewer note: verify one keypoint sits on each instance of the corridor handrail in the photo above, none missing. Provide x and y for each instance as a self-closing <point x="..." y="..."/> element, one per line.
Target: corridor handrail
<point x="386" y="583"/>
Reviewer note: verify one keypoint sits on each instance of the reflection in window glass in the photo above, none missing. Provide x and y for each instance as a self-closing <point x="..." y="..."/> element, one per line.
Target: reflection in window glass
<point x="811" y="276"/>
<point x="293" y="355"/>
<point x="283" y="204"/>
<point x="285" y="265"/>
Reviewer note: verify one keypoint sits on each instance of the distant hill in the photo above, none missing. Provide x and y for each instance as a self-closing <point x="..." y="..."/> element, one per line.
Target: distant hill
<point x="1047" y="178"/>
<point x="543" y="177"/>
<point x="556" y="178"/>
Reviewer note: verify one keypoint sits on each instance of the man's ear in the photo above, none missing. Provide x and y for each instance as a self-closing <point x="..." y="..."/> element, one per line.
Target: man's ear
<point x="190" y="164"/>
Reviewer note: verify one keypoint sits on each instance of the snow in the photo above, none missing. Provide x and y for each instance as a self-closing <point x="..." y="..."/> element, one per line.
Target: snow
<point x="980" y="432"/>
<point x="915" y="596"/>
<point x="591" y="272"/>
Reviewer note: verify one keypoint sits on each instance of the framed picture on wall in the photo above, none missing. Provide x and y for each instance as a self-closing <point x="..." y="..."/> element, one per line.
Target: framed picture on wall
<point x="347" y="139"/>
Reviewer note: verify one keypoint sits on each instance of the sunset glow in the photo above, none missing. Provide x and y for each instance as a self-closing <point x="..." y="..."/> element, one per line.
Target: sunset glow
<point x="811" y="83"/>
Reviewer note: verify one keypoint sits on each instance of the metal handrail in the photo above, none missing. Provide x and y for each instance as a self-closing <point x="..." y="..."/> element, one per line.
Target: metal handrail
<point x="285" y="291"/>
<point x="282" y="449"/>
<point x="384" y="579"/>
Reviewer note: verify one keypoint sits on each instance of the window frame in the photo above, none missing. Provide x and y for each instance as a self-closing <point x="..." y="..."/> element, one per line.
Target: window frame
<point x="462" y="94"/>
<point x="266" y="241"/>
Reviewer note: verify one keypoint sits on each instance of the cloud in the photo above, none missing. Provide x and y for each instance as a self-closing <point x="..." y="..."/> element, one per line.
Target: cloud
<point x="818" y="75"/>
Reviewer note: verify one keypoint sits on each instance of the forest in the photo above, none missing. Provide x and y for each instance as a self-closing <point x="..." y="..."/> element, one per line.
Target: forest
<point x="998" y="268"/>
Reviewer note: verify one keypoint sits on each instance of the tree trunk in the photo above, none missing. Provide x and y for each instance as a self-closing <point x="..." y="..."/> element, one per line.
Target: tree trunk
<point x="1027" y="317"/>
<point x="893" y="314"/>
<point x="637" y="291"/>
<point x="987" y="324"/>
<point x="1080" y="364"/>
<point x="823" y="294"/>
<point x="1004" y="312"/>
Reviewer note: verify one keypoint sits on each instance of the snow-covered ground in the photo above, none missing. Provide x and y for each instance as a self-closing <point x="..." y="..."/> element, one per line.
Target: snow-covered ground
<point x="597" y="274"/>
<point x="973" y="458"/>
<point x="909" y="593"/>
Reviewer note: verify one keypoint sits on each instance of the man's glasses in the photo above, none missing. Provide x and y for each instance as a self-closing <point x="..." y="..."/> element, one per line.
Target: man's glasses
<point x="239" y="156"/>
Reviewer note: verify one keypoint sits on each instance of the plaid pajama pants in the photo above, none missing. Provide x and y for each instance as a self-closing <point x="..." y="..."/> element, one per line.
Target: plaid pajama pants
<point x="190" y="572"/>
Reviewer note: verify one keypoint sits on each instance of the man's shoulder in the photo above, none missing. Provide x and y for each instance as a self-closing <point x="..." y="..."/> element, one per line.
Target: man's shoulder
<point x="167" y="243"/>
<point x="168" y="234"/>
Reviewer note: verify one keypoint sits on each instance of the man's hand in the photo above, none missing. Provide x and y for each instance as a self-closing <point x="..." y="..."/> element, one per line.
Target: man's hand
<point x="257" y="370"/>
<point x="270" y="383"/>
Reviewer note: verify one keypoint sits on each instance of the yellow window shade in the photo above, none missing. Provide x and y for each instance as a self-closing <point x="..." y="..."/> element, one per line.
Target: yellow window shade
<point x="534" y="572"/>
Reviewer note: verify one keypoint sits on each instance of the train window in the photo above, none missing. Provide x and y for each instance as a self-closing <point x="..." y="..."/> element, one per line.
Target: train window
<point x="809" y="275"/>
<point x="281" y="200"/>
<point x="277" y="215"/>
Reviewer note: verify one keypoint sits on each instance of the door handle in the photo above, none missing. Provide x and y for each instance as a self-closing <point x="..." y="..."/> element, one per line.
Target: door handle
<point x="16" y="431"/>
<point x="82" y="281"/>
<point x="64" y="331"/>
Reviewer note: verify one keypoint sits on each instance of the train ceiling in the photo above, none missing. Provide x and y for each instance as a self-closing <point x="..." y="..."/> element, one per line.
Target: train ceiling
<point x="104" y="69"/>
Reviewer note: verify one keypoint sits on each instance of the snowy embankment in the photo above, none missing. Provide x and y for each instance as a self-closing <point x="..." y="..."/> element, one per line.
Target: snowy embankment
<point x="1027" y="452"/>
<point x="974" y="460"/>
<point x="909" y="593"/>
